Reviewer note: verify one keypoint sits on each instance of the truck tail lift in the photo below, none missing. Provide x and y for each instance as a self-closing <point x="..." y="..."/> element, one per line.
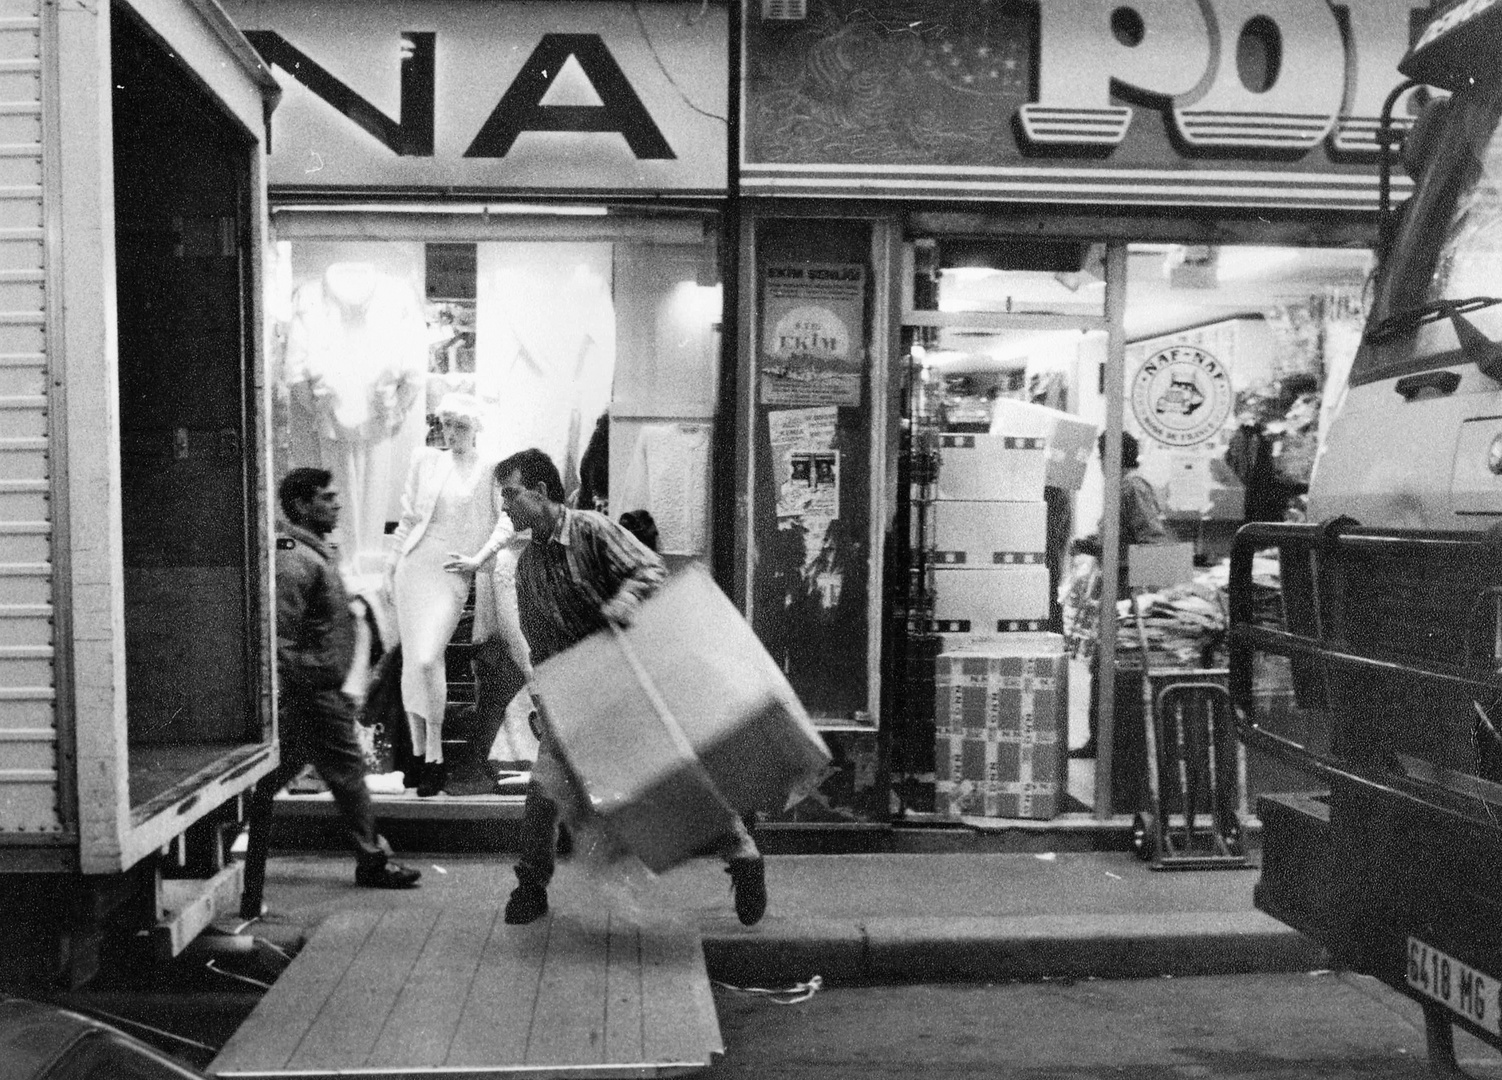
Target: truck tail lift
<point x="1379" y="674"/>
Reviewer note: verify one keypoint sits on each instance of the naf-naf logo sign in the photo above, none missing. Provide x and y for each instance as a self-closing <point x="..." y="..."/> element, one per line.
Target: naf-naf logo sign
<point x="495" y="95"/>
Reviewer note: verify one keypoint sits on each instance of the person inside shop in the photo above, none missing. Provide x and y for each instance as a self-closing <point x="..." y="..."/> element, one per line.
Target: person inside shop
<point x="579" y="574"/>
<point x="315" y="646"/>
<point x="1142" y="522"/>
<point x="451" y="528"/>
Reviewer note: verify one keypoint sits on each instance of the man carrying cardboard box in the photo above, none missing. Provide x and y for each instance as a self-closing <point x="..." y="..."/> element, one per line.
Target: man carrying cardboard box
<point x="580" y="574"/>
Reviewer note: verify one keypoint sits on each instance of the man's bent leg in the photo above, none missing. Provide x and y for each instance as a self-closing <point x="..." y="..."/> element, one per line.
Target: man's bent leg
<point x="539" y="838"/>
<point x="336" y="755"/>
<point x="258" y="840"/>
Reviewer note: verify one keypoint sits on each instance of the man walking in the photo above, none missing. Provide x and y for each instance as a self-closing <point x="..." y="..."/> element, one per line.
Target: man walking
<point x="581" y="573"/>
<point x="315" y="645"/>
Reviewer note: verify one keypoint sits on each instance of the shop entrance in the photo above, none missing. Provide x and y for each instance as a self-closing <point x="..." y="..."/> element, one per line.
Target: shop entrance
<point x="1004" y="340"/>
<point x="187" y="459"/>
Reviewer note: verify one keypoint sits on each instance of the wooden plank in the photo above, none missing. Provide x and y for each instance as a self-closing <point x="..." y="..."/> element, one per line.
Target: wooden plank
<point x="428" y="1009"/>
<point x="358" y="1008"/>
<point x="497" y="1018"/>
<point x="568" y="1026"/>
<point x="675" y="1027"/>
<point x="623" y="1017"/>
<point x="273" y="1031"/>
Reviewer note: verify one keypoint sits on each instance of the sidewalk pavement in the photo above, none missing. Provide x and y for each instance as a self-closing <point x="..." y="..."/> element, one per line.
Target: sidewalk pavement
<point x="884" y="918"/>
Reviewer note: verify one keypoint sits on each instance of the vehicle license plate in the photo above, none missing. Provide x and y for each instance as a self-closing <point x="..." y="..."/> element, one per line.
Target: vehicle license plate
<point x="1462" y="988"/>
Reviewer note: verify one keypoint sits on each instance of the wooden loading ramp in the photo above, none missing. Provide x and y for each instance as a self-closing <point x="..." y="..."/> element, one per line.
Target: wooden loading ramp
<point x="426" y="991"/>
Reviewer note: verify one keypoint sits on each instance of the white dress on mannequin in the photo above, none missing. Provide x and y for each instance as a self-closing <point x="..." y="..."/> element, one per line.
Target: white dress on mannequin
<point x="356" y="363"/>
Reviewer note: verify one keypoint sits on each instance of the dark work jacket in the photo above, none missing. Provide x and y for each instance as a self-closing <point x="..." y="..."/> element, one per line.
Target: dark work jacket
<point x="315" y="629"/>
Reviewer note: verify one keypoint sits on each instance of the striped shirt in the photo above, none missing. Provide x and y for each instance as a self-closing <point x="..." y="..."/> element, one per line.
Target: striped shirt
<point x="564" y="582"/>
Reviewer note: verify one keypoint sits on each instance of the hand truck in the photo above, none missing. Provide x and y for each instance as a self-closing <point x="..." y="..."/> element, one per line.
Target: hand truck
<point x="1190" y="732"/>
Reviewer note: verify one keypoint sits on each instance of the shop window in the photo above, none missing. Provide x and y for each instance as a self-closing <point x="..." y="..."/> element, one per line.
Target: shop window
<point x="596" y="344"/>
<point x="564" y="342"/>
<point x="812" y="439"/>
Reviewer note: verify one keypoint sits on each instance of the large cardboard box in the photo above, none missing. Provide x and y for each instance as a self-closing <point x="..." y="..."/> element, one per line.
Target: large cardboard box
<point x="991" y="467"/>
<point x="997" y="599"/>
<point x="1002" y="715"/>
<point x="1069" y="440"/>
<point x="985" y="534"/>
<point x="679" y="722"/>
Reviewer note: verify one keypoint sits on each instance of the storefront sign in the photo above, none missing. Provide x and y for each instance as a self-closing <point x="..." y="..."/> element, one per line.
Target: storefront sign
<point x="813" y="336"/>
<point x="1215" y="102"/>
<point x="533" y="96"/>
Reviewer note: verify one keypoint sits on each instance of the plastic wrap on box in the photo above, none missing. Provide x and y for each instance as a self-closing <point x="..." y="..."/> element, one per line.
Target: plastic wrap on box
<point x="991" y="467"/>
<point x="998" y="599"/>
<point x="1002" y="713"/>
<point x="676" y="724"/>
<point x="979" y="534"/>
<point x="851" y="789"/>
<point x="1069" y="440"/>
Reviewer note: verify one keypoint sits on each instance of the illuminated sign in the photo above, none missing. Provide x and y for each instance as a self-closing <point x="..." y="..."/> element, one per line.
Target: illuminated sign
<point x="533" y="96"/>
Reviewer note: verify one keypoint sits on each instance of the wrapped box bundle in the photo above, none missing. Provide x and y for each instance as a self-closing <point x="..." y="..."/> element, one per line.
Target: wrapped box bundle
<point x="678" y="723"/>
<point x="1001" y="711"/>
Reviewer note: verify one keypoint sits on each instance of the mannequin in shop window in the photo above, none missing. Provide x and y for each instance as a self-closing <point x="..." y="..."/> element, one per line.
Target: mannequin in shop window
<point x="356" y="360"/>
<point x="451" y="528"/>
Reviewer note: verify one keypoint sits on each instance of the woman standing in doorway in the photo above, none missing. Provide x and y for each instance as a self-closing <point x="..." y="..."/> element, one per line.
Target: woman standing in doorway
<point x="451" y="525"/>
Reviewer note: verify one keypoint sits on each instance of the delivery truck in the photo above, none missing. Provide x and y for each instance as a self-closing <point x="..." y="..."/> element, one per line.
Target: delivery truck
<point x="1388" y="630"/>
<point x="136" y="650"/>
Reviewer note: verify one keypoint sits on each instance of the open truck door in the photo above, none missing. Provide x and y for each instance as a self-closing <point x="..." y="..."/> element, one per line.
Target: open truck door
<point x="136" y="657"/>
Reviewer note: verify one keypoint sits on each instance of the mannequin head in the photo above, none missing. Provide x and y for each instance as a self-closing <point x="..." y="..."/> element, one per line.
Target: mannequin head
<point x="460" y="416"/>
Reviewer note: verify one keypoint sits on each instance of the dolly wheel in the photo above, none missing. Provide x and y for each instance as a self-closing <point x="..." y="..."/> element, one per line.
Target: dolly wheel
<point x="1232" y="837"/>
<point x="1145" y="836"/>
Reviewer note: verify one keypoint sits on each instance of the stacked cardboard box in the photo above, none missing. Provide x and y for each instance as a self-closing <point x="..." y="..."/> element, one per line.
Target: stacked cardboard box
<point x="990" y="532"/>
<point x="999" y="684"/>
<point x="1002" y="714"/>
<point x="1069" y="441"/>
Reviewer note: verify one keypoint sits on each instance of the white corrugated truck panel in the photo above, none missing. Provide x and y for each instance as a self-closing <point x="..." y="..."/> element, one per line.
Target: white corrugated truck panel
<point x="28" y="730"/>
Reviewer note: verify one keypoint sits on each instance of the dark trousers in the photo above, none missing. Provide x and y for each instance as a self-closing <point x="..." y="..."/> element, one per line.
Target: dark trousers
<point x="538" y="844"/>
<point x="319" y="730"/>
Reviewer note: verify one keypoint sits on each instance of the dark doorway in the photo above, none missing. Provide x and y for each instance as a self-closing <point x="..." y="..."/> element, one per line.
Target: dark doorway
<point x="187" y="461"/>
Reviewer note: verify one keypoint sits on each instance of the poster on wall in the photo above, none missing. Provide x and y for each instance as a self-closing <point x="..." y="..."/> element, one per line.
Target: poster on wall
<point x="813" y="337"/>
<point x="807" y="473"/>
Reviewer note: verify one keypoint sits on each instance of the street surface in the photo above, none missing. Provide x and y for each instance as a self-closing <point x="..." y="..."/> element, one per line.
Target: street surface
<point x="1243" y="1027"/>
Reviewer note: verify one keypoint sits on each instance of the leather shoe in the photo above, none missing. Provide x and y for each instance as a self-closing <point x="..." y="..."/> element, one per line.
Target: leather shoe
<point x="528" y="903"/>
<point x="387" y="875"/>
<point x="748" y="884"/>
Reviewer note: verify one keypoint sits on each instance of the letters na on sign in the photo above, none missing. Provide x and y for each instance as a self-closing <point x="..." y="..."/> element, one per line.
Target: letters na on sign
<point x="1231" y="102"/>
<point x="524" y="95"/>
